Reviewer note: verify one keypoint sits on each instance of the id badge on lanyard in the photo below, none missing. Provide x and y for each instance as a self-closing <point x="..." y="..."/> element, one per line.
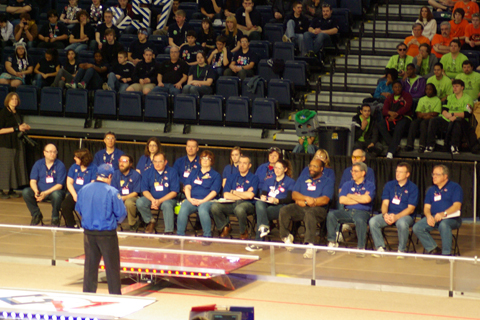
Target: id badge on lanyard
<point x="437" y="197"/>
<point x="125" y="191"/>
<point x="49" y="179"/>
<point x="158" y="187"/>
<point x="79" y="181"/>
<point x="396" y="200"/>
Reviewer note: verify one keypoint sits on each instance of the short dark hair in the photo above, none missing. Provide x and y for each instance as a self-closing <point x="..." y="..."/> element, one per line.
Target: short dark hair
<point x="3" y="17"/>
<point x="401" y="44"/>
<point x="222" y="39"/>
<point x="191" y="33"/>
<point x="110" y="31"/>
<point x="123" y="53"/>
<point x="392" y="72"/>
<point x="426" y="45"/>
<point x="246" y="37"/>
<point x="110" y="133"/>
<point x="439" y="64"/>
<point x="459" y="10"/>
<point x="52" y="13"/>
<point x="405" y="165"/>
<point x="130" y="159"/>
<point x="457" y="42"/>
<point x="458" y="81"/>
<point x="434" y="88"/>
<point x="467" y="62"/>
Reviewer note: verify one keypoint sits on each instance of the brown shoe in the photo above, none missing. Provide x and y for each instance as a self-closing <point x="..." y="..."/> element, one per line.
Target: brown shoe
<point x="226" y="231"/>
<point x="151" y="226"/>
<point x="244" y="236"/>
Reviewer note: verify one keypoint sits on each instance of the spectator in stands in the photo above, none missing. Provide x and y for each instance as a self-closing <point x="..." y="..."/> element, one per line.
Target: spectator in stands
<point x="186" y="164"/>
<point x="469" y="7"/>
<point x="137" y="48"/>
<point x="366" y="131"/>
<point x="312" y="8"/>
<point x="295" y="25"/>
<point x="67" y="73"/>
<point x="6" y="31"/>
<point x="425" y="18"/>
<point x="81" y="173"/>
<point x="249" y="20"/>
<point x="441" y="42"/>
<point x="46" y="69"/>
<point x="442" y="5"/>
<point x="159" y="188"/>
<point x="152" y="146"/>
<point x="209" y="9"/>
<point x="414" y="84"/>
<point x="128" y="183"/>
<point x="384" y="88"/>
<point x="200" y="77"/>
<point x="441" y="82"/>
<point x="244" y="61"/>
<point x="242" y="188"/>
<point x="101" y="31"/>
<point x="172" y="74"/>
<point x="144" y="76"/>
<point x="82" y="33"/>
<point x="47" y="180"/>
<point x="322" y="155"/>
<point x="425" y="61"/>
<point x="472" y="34"/>
<point x="471" y="80"/>
<point x="276" y="194"/>
<point x="17" y="67"/>
<point x="16" y="7"/>
<point x="230" y="7"/>
<point x="110" y="154"/>
<point x="320" y="31"/>
<point x="188" y="52"/>
<point x="280" y="9"/>
<point x="458" y="25"/>
<point x="53" y="34"/>
<point x="206" y="37"/>
<point x="111" y="47"/>
<point x="233" y="166"/>
<point x="177" y="32"/>
<point x="357" y="196"/>
<point x="26" y="30"/>
<point x="90" y="75"/>
<point x="443" y="202"/>
<point x="233" y="34"/>
<point x="399" y="200"/>
<point x="452" y="119"/>
<point x="399" y="61"/>
<point x="125" y="16"/>
<point x="121" y="76"/>
<point x="69" y="14"/>
<point x="397" y="114"/>
<point x="428" y="107"/>
<point x="170" y="19"/>
<point x="96" y="13"/>
<point x="203" y="185"/>
<point x="220" y="57"/>
<point x="358" y="155"/>
<point x="413" y="42"/>
<point x="452" y="62"/>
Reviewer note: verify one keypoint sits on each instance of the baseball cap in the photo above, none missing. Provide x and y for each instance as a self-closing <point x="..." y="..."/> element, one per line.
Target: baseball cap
<point x="104" y="170"/>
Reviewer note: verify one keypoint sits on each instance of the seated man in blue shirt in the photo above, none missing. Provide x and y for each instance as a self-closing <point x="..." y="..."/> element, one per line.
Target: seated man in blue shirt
<point x="160" y="187"/>
<point x="128" y="182"/>
<point x="311" y="195"/>
<point x="399" y="200"/>
<point x="357" y="197"/>
<point x="242" y="188"/>
<point x="110" y="154"/>
<point x="320" y="32"/>
<point x="47" y="180"/>
<point x="186" y="164"/>
<point x="442" y="202"/>
<point x="358" y="155"/>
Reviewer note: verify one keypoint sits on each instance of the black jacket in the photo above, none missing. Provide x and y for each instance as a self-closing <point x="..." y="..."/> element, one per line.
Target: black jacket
<point x="371" y="135"/>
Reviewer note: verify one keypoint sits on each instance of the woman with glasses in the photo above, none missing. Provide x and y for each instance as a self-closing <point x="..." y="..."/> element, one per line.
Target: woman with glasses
<point x="233" y="166"/>
<point x="151" y="148"/>
<point x="265" y="171"/>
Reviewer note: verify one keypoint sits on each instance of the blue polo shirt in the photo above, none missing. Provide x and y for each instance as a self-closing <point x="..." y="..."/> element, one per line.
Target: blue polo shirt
<point x="184" y="167"/>
<point x="359" y="189"/>
<point x="160" y="184"/>
<point x="82" y="178"/>
<point x="327" y="172"/>
<point x="144" y="164"/>
<point x="229" y="170"/>
<point x="264" y="172"/>
<point x="442" y="199"/>
<point x="347" y="176"/>
<point x="102" y="157"/>
<point x="241" y="184"/>
<point x="55" y="175"/>
<point x="204" y="183"/>
<point x="315" y="188"/>
<point x="127" y="184"/>
<point x="400" y="197"/>
<point x="278" y="189"/>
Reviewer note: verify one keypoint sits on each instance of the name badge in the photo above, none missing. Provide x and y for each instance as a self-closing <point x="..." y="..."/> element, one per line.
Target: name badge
<point x="159" y="188"/>
<point x="396" y="201"/>
<point x="49" y="179"/>
<point x="273" y="194"/>
<point x="198" y="181"/>
<point x="311" y="187"/>
<point x="186" y="174"/>
<point x="239" y="189"/>
<point x="437" y="197"/>
<point x="79" y="181"/>
<point x="125" y="191"/>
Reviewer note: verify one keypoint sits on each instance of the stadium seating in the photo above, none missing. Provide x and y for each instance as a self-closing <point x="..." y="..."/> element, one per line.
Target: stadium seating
<point x="105" y="104"/>
<point x="156" y="107"/>
<point x="264" y="113"/>
<point x="237" y="111"/>
<point x="76" y="103"/>
<point x="228" y="86"/>
<point x="130" y="105"/>
<point x="211" y="110"/>
<point x="51" y="101"/>
<point x="259" y="90"/>
<point x="29" y="99"/>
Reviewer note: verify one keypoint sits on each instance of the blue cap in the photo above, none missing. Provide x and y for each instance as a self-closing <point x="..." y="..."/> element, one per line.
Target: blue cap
<point x="104" y="170"/>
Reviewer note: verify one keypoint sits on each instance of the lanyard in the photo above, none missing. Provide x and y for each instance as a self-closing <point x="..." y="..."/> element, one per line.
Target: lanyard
<point x="400" y="194"/>
<point x="161" y="175"/>
<point x="279" y="183"/>
<point x="148" y="164"/>
<point x="105" y="155"/>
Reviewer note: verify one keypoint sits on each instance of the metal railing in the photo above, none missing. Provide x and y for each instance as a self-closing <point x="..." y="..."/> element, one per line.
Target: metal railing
<point x="332" y="72"/>
<point x="345" y="74"/>
<point x="361" y="33"/>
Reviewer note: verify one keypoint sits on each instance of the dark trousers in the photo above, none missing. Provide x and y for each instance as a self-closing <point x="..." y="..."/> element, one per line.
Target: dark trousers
<point x="68" y="205"/>
<point x="398" y="129"/>
<point x="55" y="197"/>
<point x="96" y="245"/>
<point x="418" y="127"/>
<point x="440" y="125"/>
<point x="310" y="215"/>
<point x="91" y="78"/>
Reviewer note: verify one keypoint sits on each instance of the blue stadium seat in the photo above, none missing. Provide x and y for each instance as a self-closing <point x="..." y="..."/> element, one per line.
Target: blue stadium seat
<point x="332" y="3"/>
<point x="76" y="103"/>
<point x="296" y="71"/>
<point x="86" y="56"/>
<point x="264" y="113"/>
<point x="284" y="50"/>
<point x="259" y="90"/>
<point x="51" y="101"/>
<point x="36" y="54"/>
<point x="190" y="8"/>
<point x="156" y="107"/>
<point x="237" y="111"/>
<point x="266" y="12"/>
<point x="355" y="6"/>
<point x="211" y="109"/>
<point x="343" y="18"/>
<point x="228" y="86"/>
<point x="29" y="99"/>
<point x="162" y="57"/>
<point x="159" y="43"/>
<point x="273" y="32"/>
<point x="265" y="71"/>
<point x="473" y="56"/>
<point x="105" y="104"/>
<point x="261" y="48"/>
<point x="281" y="90"/>
<point x="4" y="89"/>
<point x="127" y="39"/>
<point x="130" y="105"/>
<point x="196" y="24"/>
<point x="7" y="52"/>
<point x="185" y="108"/>
<point x="62" y="57"/>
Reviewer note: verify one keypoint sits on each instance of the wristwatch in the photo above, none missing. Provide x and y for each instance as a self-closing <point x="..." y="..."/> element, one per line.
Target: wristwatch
<point x="306" y="202"/>
<point x="445" y="214"/>
<point x="453" y="114"/>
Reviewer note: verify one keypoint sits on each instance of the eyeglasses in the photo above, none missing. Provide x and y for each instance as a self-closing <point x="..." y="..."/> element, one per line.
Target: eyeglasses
<point x="402" y="49"/>
<point x="123" y="160"/>
<point x="357" y="157"/>
<point x="313" y="166"/>
<point x="437" y="175"/>
<point x="52" y="151"/>
<point x="205" y="158"/>
<point x="158" y="162"/>
<point x="355" y="171"/>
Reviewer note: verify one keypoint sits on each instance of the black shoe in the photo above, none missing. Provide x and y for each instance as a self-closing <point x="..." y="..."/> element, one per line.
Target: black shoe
<point x="408" y="148"/>
<point x="421" y="149"/>
<point x="55" y="222"/>
<point x="36" y="220"/>
<point x="134" y="228"/>
<point x="429" y="149"/>
<point x="436" y="251"/>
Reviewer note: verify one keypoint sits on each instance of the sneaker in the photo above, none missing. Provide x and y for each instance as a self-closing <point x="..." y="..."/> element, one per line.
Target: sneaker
<point x="379" y="252"/>
<point x="71" y="85"/>
<point x="308" y="253"/>
<point x="421" y="149"/>
<point x="408" y="148"/>
<point x="105" y="86"/>
<point x="428" y="149"/>
<point x="400" y="257"/>
<point x="288" y="240"/>
<point x="340" y="237"/>
<point x="286" y="39"/>
<point x="253" y="248"/>
<point x="311" y="54"/>
<point x="264" y="230"/>
<point x="134" y="228"/>
<point x="55" y="222"/>
<point x="360" y="255"/>
<point x="332" y="245"/>
<point x="389" y="155"/>
<point x="82" y="85"/>
<point x="346" y="227"/>
<point x="454" y="150"/>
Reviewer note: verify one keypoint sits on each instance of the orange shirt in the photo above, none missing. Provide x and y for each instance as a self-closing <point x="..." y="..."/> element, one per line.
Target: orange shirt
<point x="438" y="38"/>
<point x="458" y="30"/>
<point x="469" y="8"/>
<point x="472" y="33"/>
<point x="413" y="48"/>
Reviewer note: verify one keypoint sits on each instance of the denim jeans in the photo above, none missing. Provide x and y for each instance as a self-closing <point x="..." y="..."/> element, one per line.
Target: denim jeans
<point x="241" y="209"/>
<point x="242" y="74"/>
<point x="310" y="215"/>
<point x="199" y="91"/>
<point x="38" y="81"/>
<point x="77" y="47"/>
<point x="91" y="78"/>
<point x="143" y="206"/>
<point x="265" y="213"/>
<point x="115" y="84"/>
<point x="300" y="149"/>
<point x="403" y="225"/>
<point x="56" y="197"/>
<point x="297" y="37"/>
<point x="58" y="82"/>
<point x="315" y="42"/>
<point x="359" y="217"/>
<point x="168" y="88"/>
<point x="203" y="212"/>
<point x="445" y="227"/>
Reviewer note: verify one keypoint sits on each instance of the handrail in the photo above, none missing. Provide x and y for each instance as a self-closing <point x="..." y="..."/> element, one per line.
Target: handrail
<point x="318" y="90"/>
<point x="375" y="15"/>
<point x="360" y="37"/>
<point x="387" y="13"/>
<point x="399" y="11"/>
<point x="332" y="71"/>
<point x="347" y="52"/>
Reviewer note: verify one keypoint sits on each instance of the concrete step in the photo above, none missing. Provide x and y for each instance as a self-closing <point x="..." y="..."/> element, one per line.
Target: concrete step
<point x="406" y="9"/>
<point x="399" y="26"/>
<point x="380" y="43"/>
<point x="339" y="97"/>
<point x="369" y="80"/>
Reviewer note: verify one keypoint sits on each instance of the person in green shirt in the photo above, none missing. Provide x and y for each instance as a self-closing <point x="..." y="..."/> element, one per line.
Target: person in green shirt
<point x="441" y="82"/>
<point x="452" y="62"/>
<point x="425" y="61"/>
<point x="428" y="107"/>
<point x="471" y="79"/>
<point x="452" y="119"/>
<point x="399" y="61"/>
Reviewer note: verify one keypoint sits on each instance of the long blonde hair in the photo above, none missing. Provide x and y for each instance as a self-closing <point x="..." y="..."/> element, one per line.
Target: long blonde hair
<point x="235" y="29"/>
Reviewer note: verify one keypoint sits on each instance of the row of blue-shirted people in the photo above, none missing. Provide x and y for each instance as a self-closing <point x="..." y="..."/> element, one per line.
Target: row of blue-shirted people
<point x="155" y="185"/>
